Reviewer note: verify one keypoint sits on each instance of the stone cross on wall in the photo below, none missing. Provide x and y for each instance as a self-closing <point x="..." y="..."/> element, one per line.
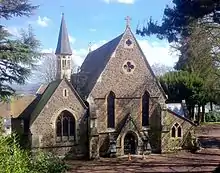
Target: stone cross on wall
<point x="128" y="21"/>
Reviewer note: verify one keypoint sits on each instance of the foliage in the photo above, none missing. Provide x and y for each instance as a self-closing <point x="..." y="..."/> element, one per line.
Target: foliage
<point x="212" y="117"/>
<point x="182" y="85"/>
<point x="12" y="158"/>
<point x="1" y="126"/>
<point x="160" y="69"/>
<point x="193" y="28"/>
<point x="17" y="160"/>
<point x="17" y="56"/>
<point x="179" y="17"/>
<point x="47" y="71"/>
<point x="47" y="163"/>
<point x="13" y="8"/>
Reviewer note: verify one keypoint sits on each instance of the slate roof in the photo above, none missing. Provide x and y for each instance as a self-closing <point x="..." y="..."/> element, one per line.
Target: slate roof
<point x="181" y="117"/>
<point x="96" y="61"/>
<point x="45" y="97"/>
<point x="17" y="105"/>
<point x="63" y="45"/>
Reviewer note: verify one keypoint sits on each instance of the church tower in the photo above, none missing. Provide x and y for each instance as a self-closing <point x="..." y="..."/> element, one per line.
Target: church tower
<point x="63" y="53"/>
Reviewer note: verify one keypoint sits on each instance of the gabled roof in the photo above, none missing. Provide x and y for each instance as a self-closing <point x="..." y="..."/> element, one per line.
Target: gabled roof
<point x="45" y="97"/>
<point x="16" y="106"/>
<point x="96" y="61"/>
<point x="63" y="45"/>
<point x="51" y="88"/>
<point x="149" y="67"/>
<point x="181" y="117"/>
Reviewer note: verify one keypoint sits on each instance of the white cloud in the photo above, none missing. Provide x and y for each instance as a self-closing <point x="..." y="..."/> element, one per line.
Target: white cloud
<point x="44" y="21"/>
<point x="92" y="30"/>
<point x="72" y="39"/>
<point x="97" y="44"/>
<point x="158" y="52"/>
<point x="155" y="52"/>
<point x="120" y="1"/>
<point x="50" y="50"/>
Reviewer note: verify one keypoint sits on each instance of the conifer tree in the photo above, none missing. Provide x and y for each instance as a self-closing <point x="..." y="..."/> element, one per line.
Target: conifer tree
<point x="17" y="56"/>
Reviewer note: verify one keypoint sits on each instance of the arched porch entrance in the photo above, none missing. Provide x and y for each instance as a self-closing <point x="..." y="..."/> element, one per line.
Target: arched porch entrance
<point x="130" y="143"/>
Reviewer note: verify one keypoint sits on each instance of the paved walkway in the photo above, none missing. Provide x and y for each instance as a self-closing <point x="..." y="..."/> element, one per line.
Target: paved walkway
<point x="204" y="161"/>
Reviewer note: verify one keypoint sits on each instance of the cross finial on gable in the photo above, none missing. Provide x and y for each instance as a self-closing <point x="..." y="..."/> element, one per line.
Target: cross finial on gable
<point x="90" y="46"/>
<point x="128" y="21"/>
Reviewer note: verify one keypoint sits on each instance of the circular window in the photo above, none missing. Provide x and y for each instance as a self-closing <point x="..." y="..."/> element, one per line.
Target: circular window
<point x="128" y="66"/>
<point x="128" y="43"/>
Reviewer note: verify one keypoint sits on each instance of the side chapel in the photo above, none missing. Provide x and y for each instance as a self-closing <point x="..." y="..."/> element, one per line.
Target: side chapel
<point x="116" y="107"/>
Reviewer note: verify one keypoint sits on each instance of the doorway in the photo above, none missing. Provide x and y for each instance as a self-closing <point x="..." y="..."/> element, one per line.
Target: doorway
<point x="130" y="143"/>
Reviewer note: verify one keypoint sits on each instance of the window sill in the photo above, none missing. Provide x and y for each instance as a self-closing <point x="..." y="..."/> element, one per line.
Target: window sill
<point x="109" y="130"/>
<point x="145" y="128"/>
<point x="69" y="139"/>
<point x="176" y="138"/>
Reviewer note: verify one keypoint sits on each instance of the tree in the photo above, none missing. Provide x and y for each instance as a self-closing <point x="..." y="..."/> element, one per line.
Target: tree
<point x="178" y="20"/>
<point x="160" y="69"/>
<point x="17" y="56"/>
<point x="47" y="70"/>
<point x="182" y="85"/>
<point x="193" y="28"/>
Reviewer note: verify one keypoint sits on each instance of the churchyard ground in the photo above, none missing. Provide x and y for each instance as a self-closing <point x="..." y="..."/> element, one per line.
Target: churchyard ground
<point x="203" y="161"/>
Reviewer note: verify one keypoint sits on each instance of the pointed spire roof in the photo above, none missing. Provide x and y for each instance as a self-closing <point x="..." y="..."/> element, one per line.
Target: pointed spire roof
<point x="63" y="45"/>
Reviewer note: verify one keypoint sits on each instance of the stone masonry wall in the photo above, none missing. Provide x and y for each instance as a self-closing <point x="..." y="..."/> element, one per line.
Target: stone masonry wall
<point x="128" y="89"/>
<point x="43" y="127"/>
<point x="169" y="144"/>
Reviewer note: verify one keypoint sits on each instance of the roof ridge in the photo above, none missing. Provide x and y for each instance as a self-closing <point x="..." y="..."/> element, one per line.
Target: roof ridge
<point x="102" y="46"/>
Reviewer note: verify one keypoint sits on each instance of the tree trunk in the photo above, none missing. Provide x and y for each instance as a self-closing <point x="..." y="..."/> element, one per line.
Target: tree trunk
<point x="199" y="114"/>
<point x="203" y="114"/>
<point x="211" y="106"/>
<point x="193" y="112"/>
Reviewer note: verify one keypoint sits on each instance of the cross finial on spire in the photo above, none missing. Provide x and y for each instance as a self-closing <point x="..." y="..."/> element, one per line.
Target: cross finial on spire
<point x="128" y="21"/>
<point x="62" y="9"/>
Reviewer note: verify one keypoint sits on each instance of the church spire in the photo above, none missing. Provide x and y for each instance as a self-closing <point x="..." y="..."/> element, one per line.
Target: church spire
<point x="63" y="53"/>
<point x="63" y="45"/>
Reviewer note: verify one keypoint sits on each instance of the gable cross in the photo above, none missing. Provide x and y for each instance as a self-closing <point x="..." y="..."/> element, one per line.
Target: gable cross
<point x="128" y="21"/>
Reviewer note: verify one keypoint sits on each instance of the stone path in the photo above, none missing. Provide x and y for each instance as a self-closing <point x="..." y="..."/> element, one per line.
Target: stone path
<point x="203" y="161"/>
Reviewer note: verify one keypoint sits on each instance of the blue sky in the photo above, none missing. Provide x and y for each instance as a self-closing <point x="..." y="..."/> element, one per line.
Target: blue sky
<point x="96" y="21"/>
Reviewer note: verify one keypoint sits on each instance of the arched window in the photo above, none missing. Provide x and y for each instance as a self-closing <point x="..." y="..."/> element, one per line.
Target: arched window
<point x="176" y="131"/>
<point x="65" y="126"/>
<point x="65" y="93"/>
<point x="173" y="133"/>
<point x="111" y="110"/>
<point x="145" y="109"/>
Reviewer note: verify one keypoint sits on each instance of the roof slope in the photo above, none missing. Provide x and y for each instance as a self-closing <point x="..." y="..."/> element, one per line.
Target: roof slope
<point x="45" y="97"/>
<point x="63" y="45"/>
<point x="16" y="106"/>
<point x="149" y="67"/>
<point x="96" y="61"/>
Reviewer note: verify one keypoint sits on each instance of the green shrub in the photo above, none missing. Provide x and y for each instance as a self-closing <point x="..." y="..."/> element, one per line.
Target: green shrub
<point x="14" y="159"/>
<point x="212" y="117"/>
<point x="47" y="163"/>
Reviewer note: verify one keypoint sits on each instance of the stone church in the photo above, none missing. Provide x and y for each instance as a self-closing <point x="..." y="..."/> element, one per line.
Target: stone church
<point x="112" y="107"/>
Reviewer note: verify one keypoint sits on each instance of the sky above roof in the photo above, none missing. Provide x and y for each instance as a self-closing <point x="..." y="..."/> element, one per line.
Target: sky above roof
<point x="95" y="21"/>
